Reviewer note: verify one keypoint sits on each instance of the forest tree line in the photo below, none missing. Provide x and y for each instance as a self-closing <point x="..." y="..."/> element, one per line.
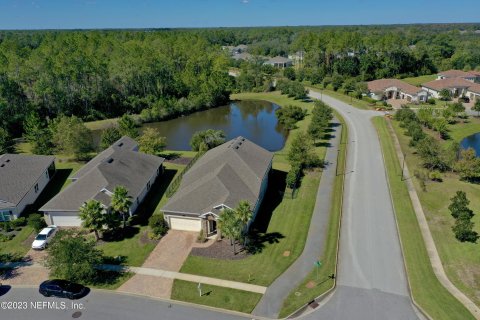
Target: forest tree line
<point x="164" y="73"/>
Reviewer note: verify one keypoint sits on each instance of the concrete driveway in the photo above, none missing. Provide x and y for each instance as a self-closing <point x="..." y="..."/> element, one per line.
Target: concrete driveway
<point x="169" y="254"/>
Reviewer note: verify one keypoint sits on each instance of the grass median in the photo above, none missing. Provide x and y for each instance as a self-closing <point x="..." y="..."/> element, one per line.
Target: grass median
<point x="427" y="291"/>
<point x="213" y="296"/>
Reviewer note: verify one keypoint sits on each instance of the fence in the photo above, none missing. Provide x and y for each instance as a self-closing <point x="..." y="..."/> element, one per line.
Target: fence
<point x="172" y="188"/>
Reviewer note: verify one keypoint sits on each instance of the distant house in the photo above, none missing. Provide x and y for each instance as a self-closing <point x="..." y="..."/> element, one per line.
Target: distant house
<point x="297" y="57"/>
<point x="120" y="164"/>
<point x="242" y="56"/>
<point x="384" y="89"/>
<point x="472" y="76"/>
<point x="234" y="171"/>
<point x="279" y="62"/>
<point x="22" y="179"/>
<point x="236" y="50"/>
<point x="457" y="86"/>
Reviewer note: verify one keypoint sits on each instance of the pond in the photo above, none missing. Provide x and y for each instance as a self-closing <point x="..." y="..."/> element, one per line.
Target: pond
<point x="472" y="141"/>
<point x="252" y="119"/>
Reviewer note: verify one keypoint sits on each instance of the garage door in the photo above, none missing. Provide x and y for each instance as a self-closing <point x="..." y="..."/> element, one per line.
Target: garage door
<point x="185" y="224"/>
<point x="61" y="220"/>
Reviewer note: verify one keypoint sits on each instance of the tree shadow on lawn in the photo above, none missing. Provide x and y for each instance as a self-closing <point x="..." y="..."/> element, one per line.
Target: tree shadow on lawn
<point x="257" y="242"/>
<point x="120" y="234"/>
<point x="148" y="206"/>
<point x="272" y="199"/>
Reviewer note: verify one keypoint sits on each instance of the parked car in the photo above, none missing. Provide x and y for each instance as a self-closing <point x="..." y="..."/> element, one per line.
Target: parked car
<point x="44" y="237"/>
<point x="62" y="289"/>
<point x="464" y="99"/>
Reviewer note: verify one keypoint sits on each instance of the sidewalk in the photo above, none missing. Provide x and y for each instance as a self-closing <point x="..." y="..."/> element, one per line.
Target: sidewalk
<point x="271" y="303"/>
<point x="187" y="277"/>
<point x="428" y="239"/>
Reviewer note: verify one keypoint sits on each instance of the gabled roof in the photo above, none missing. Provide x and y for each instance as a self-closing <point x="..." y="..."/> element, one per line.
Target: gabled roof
<point x="475" y="87"/>
<point x="278" y="59"/>
<point x="118" y="165"/>
<point x="18" y="175"/>
<point x="448" y="83"/>
<point x="456" y="74"/>
<point x="382" y="84"/>
<point x="227" y="174"/>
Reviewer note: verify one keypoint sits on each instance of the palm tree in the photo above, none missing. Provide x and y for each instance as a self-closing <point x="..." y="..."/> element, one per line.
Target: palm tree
<point x="229" y="226"/>
<point x="244" y="214"/>
<point x="121" y="202"/>
<point x="92" y="216"/>
<point x="476" y="107"/>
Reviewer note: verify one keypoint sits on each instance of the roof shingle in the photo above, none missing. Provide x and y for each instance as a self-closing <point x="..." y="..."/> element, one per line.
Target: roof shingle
<point x="226" y="174"/>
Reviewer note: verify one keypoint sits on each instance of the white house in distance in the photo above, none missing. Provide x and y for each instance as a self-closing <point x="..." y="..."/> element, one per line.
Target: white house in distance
<point x="457" y="86"/>
<point x="458" y="82"/>
<point x="234" y="171"/>
<point x="297" y="57"/>
<point x="472" y="76"/>
<point x="279" y="62"/>
<point x="22" y="180"/>
<point x="119" y="165"/>
<point x="384" y="89"/>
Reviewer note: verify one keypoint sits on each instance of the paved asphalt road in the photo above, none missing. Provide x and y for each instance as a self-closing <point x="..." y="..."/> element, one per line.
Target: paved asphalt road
<point x="102" y="305"/>
<point x="371" y="280"/>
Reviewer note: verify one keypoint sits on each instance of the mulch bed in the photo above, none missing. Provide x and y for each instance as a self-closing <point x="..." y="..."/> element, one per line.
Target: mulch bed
<point x="181" y="160"/>
<point x="221" y="250"/>
<point x="145" y="239"/>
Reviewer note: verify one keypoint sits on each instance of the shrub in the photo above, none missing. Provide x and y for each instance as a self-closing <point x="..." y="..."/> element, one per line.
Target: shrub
<point x="158" y="224"/>
<point x="17" y="223"/>
<point x="202" y="237"/>
<point x="431" y="101"/>
<point x="36" y="221"/>
<point x="5" y="238"/>
<point x="6" y="226"/>
<point x="435" y="176"/>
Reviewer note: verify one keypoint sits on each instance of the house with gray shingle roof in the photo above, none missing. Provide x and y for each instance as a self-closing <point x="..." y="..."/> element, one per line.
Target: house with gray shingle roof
<point x="119" y="165"/>
<point x="234" y="171"/>
<point x="22" y="180"/>
<point x="279" y="62"/>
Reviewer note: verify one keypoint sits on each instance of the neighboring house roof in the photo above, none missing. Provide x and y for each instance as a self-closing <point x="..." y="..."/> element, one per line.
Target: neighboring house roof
<point x="18" y="175"/>
<point x="118" y="165"/>
<point x="456" y="74"/>
<point x="474" y="88"/>
<point x="242" y="56"/>
<point x="383" y="84"/>
<point x="448" y="83"/>
<point x="124" y="143"/>
<point x="278" y="60"/>
<point x="241" y="47"/>
<point x="227" y="174"/>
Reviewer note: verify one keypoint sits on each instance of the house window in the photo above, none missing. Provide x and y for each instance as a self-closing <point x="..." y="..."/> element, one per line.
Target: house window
<point x="36" y="188"/>
<point x="5" y="215"/>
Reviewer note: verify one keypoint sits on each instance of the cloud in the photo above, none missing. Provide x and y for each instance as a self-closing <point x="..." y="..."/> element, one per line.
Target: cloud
<point x="245" y="1"/>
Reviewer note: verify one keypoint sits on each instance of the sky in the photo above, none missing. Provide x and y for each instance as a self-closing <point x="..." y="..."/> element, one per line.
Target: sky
<point x="98" y="14"/>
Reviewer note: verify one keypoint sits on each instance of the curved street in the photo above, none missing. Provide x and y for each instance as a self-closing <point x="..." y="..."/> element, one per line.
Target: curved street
<point x="371" y="278"/>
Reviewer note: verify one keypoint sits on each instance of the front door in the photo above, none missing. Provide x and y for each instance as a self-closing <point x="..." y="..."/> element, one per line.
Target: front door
<point x="212" y="227"/>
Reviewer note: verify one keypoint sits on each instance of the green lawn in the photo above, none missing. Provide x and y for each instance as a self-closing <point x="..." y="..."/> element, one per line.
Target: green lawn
<point x="286" y="220"/>
<point x="18" y="246"/>
<point x="426" y="289"/>
<point x="461" y="261"/>
<point x="417" y="81"/>
<point x="111" y="280"/>
<point x="214" y="296"/>
<point x="302" y="295"/>
<point x="461" y="130"/>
